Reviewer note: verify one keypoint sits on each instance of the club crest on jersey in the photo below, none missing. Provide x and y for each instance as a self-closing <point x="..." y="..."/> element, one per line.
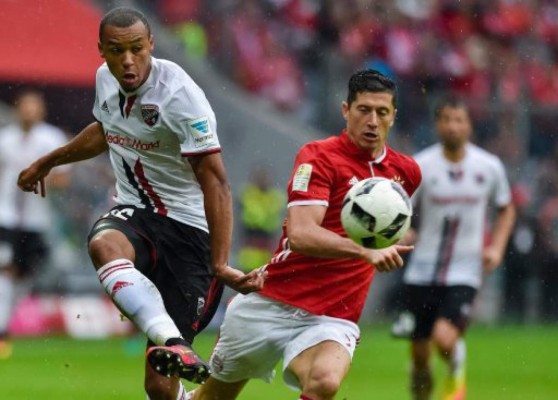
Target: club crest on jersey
<point x="150" y="114"/>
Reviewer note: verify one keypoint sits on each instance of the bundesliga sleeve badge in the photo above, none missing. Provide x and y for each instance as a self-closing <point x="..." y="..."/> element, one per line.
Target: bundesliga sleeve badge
<point x="201" y="132"/>
<point x="302" y="178"/>
<point x="150" y="114"/>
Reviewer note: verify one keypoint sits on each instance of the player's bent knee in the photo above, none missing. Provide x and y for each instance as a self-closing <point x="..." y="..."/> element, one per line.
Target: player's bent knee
<point x="326" y="384"/>
<point x="107" y="246"/>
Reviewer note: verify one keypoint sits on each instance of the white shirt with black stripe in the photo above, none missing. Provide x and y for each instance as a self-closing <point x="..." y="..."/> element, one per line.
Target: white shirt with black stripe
<point x="150" y="132"/>
<point x="452" y="205"/>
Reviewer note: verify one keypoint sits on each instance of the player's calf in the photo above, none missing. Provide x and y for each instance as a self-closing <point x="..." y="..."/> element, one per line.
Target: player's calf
<point x="421" y="384"/>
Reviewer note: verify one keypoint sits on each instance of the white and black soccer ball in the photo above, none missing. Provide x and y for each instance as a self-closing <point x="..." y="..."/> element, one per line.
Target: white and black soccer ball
<point x="376" y="212"/>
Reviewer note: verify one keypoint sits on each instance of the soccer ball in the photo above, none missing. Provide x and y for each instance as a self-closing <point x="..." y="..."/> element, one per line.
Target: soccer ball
<point x="376" y="212"/>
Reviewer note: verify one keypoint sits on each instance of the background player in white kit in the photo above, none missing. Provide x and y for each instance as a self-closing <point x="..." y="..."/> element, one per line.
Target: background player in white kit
<point x="445" y="271"/>
<point x="153" y="252"/>
<point x="24" y="219"/>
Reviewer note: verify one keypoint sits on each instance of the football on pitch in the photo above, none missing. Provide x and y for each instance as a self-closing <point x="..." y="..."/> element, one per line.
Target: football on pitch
<point x="376" y="212"/>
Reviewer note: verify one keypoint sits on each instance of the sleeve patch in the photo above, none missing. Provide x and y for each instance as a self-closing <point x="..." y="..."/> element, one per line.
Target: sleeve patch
<point x="302" y="178"/>
<point x="201" y="132"/>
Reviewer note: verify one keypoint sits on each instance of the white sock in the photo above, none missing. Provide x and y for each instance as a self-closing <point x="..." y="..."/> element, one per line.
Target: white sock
<point x="7" y="291"/>
<point x="182" y="394"/>
<point x="458" y="357"/>
<point x="138" y="299"/>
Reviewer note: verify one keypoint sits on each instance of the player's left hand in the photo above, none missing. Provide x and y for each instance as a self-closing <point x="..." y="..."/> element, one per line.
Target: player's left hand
<point x="491" y="258"/>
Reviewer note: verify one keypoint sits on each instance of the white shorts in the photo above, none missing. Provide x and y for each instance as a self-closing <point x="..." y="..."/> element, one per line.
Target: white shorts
<point x="257" y="332"/>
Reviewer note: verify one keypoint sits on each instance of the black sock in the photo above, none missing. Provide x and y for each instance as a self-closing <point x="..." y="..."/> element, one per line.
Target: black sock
<point x="175" y="341"/>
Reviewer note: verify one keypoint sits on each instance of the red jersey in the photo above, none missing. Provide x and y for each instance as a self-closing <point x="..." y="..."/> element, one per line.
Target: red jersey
<point x="324" y="171"/>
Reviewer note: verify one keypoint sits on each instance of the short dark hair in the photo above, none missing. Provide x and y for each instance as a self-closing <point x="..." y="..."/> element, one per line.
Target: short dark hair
<point x="28" y="92"/>
<point x="123" y="17"/>
<point x="370" y="80"/>
<point x="451" y="101"/>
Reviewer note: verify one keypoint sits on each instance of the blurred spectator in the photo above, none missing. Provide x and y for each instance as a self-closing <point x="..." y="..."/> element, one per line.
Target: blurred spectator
<point x="25" y="218"/>
<point x="292" y="51"/>
<point x="547" y="218"/>
<point x="548" y="225"/>
<point x="519" y="263"/>
<point x="261" y="64"/>
<point x="261" y="214"/>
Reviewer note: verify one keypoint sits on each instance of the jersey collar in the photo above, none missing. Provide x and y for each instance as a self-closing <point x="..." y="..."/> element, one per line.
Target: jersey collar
<point x="357" y="152"/>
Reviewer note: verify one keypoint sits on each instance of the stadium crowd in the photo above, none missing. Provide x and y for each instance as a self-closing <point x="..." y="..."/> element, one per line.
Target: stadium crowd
<point x="501" y="56"/>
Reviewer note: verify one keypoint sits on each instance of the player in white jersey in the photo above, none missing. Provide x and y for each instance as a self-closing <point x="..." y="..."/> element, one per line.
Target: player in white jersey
<point x="444" y="272"/>
<point x="24" y="219"/>
<point x="158" y="252"/>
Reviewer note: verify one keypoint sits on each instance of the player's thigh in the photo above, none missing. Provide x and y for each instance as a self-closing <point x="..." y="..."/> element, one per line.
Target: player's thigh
<point x="423" y="303"/>
<point x="445" y="335"/>
<point x="327" y="360"/>
<point x="124" y="232"/>
<point x="252" y="339"/>
<point x="189" y="291"/>
<point x="457" y="307"/>
<point x="322" y="347"/>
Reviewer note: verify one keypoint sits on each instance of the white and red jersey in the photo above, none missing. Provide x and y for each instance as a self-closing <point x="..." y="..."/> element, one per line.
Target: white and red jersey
<point x="323" y="173"/>
<point x="18" y="149"/>
<point x="453" y="200"/>
<point x="149" y="132"/>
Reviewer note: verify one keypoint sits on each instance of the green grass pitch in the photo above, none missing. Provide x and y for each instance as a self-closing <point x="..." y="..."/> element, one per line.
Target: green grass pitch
<point x="511" y="363"/>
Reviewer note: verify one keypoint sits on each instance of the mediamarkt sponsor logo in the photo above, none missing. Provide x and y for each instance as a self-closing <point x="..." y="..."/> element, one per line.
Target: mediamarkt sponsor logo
<point x="131" y="142"/>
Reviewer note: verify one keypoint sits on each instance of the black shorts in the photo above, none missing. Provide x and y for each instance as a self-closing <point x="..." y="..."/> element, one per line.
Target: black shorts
<point x="25" y="250"/>
<point x="176" y="258"/>
<point x="426" y="304"/>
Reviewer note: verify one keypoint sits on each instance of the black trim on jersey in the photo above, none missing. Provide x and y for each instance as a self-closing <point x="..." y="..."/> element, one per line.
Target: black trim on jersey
<point x="121" y="103"/>
<point x="201" y="153"/>
<point x="132" y="181"/>
<point x="445" y="251"/>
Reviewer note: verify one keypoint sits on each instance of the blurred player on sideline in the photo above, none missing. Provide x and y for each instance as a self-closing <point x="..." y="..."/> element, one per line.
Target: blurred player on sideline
<point x="24" y="219"/>
<point x="446" y="269"/>
<point x="158" y="252"/>
<point x="318" y="279"/>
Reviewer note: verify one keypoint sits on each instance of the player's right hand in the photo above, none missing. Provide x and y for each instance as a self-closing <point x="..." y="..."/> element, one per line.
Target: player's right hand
<point x="32" y="179"/>
<point x="387" y="259"/>
<point x="241" y="282"/>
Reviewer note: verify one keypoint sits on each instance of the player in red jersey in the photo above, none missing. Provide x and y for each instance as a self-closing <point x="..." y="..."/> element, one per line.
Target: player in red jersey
<point x="318" y="279"/>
